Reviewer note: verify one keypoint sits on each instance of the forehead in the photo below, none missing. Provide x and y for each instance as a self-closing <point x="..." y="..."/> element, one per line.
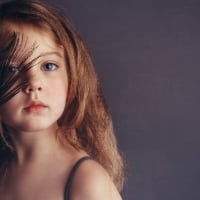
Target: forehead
<point x="30" y="44"/>
<point x="23" y="42"/>
<point x="31" y="35"/>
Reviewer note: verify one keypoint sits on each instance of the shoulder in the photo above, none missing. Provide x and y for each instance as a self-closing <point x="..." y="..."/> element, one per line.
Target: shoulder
<point x="92" y="182"/>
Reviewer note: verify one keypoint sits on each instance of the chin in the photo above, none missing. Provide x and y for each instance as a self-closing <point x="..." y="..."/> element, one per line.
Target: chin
<point x="39" y="126"/>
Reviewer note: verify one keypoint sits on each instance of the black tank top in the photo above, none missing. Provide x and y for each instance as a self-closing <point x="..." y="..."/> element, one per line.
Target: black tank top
<point x="71" y="177"/>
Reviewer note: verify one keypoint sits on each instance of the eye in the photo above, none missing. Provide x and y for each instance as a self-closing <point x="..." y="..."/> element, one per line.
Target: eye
<point x="13" y="69"/>
<point x="49" y="67"/>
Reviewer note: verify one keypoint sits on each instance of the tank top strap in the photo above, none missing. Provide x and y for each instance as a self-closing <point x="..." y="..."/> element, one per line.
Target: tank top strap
<point x="71" y="176"/>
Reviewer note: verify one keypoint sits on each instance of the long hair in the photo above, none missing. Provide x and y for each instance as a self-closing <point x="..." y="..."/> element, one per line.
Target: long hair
<point x="86" y="123"/>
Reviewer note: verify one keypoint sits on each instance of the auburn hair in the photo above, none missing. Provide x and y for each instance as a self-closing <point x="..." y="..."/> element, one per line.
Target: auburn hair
<point x="86" y="123"/>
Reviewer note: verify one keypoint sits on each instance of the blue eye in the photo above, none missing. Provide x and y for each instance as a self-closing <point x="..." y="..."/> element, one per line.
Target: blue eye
<point x="49" y="67"/>
<point x="13" y="69"/>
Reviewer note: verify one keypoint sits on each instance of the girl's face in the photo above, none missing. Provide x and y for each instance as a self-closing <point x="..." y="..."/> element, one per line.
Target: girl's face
<point x="40" y="104"/>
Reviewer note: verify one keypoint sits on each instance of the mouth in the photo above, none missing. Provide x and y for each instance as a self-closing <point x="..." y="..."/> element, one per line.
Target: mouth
<point x="35" y="106"/>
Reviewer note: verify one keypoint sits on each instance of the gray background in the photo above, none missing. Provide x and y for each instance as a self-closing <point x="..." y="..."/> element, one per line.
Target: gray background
<point x="147" y="55"/>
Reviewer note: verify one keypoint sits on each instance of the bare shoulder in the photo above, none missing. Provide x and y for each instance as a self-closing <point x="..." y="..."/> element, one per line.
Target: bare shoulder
<point x="92" y="182"/>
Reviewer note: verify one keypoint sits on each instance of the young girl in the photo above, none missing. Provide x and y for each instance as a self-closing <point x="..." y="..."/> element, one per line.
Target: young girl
<point x="56" y="137"/>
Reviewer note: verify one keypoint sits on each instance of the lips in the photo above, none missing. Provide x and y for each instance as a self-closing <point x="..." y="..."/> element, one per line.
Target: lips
<point x="35" y="106"/>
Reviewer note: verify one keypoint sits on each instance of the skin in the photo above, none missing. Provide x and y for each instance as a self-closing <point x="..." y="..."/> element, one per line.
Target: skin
<point x="42" y="165"/>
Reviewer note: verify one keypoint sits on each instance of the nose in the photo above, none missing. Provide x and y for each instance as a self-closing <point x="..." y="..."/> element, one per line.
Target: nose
<point x="34" y="84"/>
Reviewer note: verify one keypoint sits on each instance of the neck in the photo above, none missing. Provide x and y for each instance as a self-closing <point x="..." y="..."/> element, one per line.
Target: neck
<point x="35" y="146"/>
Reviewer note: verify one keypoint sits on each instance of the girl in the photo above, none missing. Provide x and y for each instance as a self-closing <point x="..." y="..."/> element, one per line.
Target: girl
<point x="56" y="137"/>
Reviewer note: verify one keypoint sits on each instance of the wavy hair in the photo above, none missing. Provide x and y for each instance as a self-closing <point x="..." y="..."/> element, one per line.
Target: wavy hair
<point x="86" y="123"/>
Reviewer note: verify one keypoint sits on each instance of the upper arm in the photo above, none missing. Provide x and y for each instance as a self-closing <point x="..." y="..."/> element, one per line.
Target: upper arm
<point x="91" y="182"/>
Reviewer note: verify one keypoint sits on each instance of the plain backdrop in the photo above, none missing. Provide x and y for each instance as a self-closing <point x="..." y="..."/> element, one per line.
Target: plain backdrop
<point x="147" y="55"/>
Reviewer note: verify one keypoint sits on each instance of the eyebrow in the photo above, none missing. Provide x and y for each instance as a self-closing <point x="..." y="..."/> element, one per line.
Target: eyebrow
<point x="52" y="53"/>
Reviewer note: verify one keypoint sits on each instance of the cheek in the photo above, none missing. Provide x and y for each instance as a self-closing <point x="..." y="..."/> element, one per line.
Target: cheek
<point x="58" y="94"/>
<point x="6" y="113"/>
<point x="58" y="90"/>
<point x="9" y="106"/>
